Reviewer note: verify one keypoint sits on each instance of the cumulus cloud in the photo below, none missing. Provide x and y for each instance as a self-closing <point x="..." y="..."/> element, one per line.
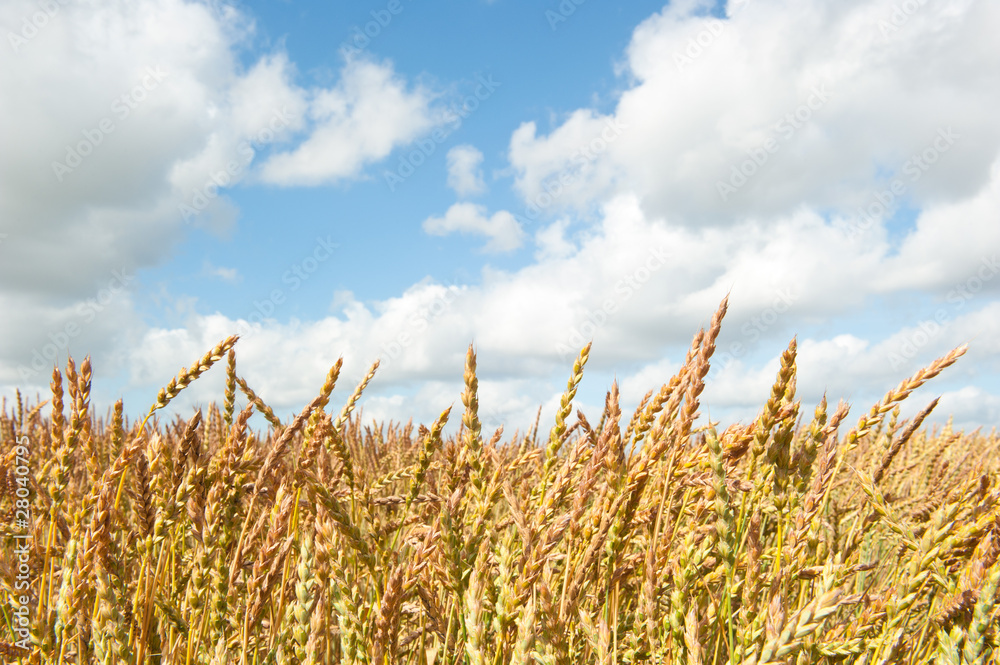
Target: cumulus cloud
<point x="639" y="289"/>
<point x="122" y="126"/>
<point x="464" y="174"/>
<point x="259" y="111"/>
<point x="781" y="104"/>
<point x="570" y="166"/>
<point x="503" y="230"/>
<point x="820" y="108"/>
<point x="358" y="122"/>
<point x="551" y="241"/>
<point x="954" y="242"/>
<point x="99" y="108"/>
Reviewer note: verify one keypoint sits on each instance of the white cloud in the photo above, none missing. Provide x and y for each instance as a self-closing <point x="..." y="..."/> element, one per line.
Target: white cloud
<point x="230" y="275"/>
<point x="265" y="98"/>
<point x="830" y="108"/>
<point x="552" y="242"/>
<point x="358" y="122"/>
<point x="639" y="289"/>
<point x="639" y="281"/>
<point x="39" y="334"/>
<point x="863" y="370"/>
<point x="464" y="174"/>
<point x="569" y="166"/>
<point x="98" y="108"/>
<point x="258" y="111"/>
<point x="503" y="230"/>
<point x="953" y="243"/>
<point x="970" y="407"/>
<point x="101" y="106"/>
<point x="122" y="124"/>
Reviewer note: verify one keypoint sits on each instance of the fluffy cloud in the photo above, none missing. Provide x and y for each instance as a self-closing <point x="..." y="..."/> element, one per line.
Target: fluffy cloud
<point x="464" y="174"/>
<point x="100" y="106"/>
<point x="503" y="230"/>
<point x="783" y="103"/>
<point x="360" y="121"/>
<point x="122" y="124"/>
<point x="841" y="105"/>
<point x="953" y="243"/>
<point x="638" y="288"/>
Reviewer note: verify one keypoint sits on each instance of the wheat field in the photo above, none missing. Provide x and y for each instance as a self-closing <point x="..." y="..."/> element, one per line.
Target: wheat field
<point x="796" y="538"/>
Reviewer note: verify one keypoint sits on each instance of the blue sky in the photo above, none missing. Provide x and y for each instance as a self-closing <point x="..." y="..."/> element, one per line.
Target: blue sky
<point x="398" y="179"/>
